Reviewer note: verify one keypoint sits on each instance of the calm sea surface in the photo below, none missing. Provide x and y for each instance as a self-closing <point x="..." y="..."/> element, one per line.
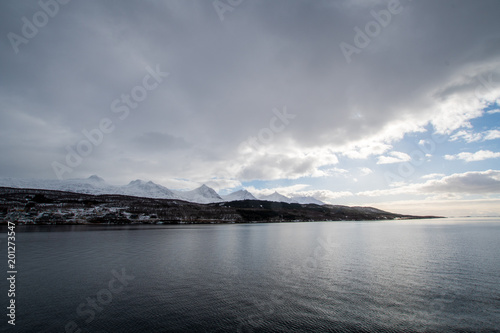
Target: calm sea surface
<point x="398" y="276"/>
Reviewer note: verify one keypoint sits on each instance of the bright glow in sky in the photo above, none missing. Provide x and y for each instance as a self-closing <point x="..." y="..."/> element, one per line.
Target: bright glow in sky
<point x="393" y="104"/>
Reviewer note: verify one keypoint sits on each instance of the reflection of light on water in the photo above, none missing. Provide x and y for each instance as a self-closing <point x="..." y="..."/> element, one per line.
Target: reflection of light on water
<point x="378" y="276"/>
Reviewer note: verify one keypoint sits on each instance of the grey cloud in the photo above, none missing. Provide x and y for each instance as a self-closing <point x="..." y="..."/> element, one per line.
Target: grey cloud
<point x="485" y="182"/>
<point x="157" y="141"/>
<point x="226" y="77"/>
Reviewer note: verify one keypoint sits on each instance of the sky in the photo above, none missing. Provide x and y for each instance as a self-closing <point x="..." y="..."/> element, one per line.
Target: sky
<point x="392" y="104"/>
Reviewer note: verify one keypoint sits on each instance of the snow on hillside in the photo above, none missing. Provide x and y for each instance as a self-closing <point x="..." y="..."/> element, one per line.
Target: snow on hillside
<point x="308" y="200"/>
<point x="139" y="188"/>
<point x="239" y="195"/>
<point x="277" y="197"/>
<point x="202" y="194"/>
<point x="91" y="185"/>
<point x="149" y="189"/>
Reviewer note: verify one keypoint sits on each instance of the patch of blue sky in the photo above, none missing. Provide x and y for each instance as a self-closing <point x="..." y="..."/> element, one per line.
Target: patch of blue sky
<point x="489" y="120"/>
<point x="423" y="160"/>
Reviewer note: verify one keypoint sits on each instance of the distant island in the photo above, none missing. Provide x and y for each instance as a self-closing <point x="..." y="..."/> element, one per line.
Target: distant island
<point x="37" y="206"/>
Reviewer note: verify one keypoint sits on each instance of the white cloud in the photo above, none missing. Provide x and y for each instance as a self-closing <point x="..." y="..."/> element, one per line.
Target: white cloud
<point x="469" y="136"/>
<point x="491" y="135"/>
<point x="326" y="196"/>
<point x="365" y="171"/>
<point x="422" y="142"/>
<point x="473" y="157"/>
<point x="396" y="190"/>
<point x="473" y="182"/>
<point x="271" y="163"/>
<point x="219" y="184"/>
<point x="455" y="112"/>
<point x="442" y="207"/>
<point x="284" y="190"/>
<point x="433" y="175"/>
<point x="394" y="157"/>
<point x="365" y="149"/>
<point x="332" y="172"/>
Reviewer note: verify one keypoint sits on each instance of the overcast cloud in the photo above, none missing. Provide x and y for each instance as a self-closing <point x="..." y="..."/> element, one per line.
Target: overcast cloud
<point x="432" y="68"/>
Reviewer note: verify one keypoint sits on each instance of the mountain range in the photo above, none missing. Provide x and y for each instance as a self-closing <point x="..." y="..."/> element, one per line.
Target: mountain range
<point x="95" y="185"/>
<point x="40" y="206"/>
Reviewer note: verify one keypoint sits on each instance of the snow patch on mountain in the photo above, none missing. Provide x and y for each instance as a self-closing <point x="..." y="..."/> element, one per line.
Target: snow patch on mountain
<point x="148" y="189"/>
<point x="139" y="188"/>
<point x="91" y="185"/>
<point x="239" y="195"/>
<point x="95" y="179"/>
<point x="277" y="197"/>
<point x="308" y="200"/>
<point x="202" y="194"/>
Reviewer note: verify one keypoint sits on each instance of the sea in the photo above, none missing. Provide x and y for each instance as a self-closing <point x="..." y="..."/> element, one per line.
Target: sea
<point x="435" y="275"/>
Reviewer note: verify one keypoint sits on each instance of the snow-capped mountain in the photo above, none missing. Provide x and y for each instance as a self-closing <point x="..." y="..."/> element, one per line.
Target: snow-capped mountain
<point x="97" y="185"/>
<point x="94" y="180"/>
<point x="139" y="188"/>
<point x="202" y="194"/>
<point x="91" y="185"/>
<point x="149" y="189"/>
<point x="277" y="197"/>
<point x="239" y="195"/>
<point x="308" y="200"/>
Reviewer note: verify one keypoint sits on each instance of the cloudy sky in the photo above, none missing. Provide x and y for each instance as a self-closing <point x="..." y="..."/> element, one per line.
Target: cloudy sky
<point x="393" y="104"/>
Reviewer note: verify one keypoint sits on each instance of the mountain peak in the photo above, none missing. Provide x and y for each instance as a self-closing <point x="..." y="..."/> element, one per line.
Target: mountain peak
<point x="207" y="190"/>
<point x="148" y="189"/>
<point x="202" y="194"/>
<point x="96" y="178"/>
<point x="308" y="200"/>
<point x="277" y="197"/>
<point x="239" y="195"/>
<point x="136" y="182"/>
